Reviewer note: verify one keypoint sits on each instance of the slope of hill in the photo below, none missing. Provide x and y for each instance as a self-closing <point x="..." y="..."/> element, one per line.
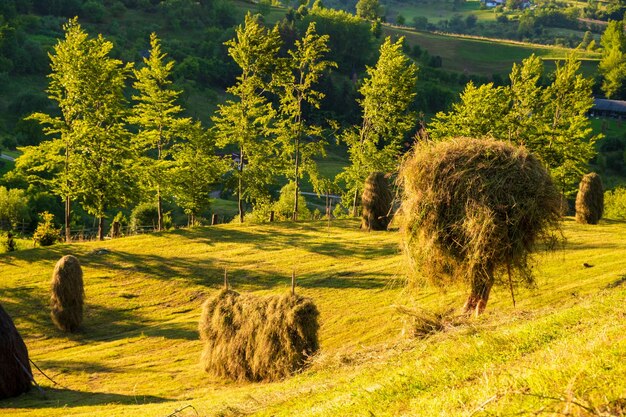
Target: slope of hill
<point x="563" y="347"/>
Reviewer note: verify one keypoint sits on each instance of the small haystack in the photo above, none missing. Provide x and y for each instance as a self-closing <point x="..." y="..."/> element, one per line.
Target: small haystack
<point x="68" y="295"/>
<point x="15" y="368"/>
<point x="257" y="338"/>
<point x="590" y="199"/>
<point x="473" y="210"/>
<point x="377" y="199"/>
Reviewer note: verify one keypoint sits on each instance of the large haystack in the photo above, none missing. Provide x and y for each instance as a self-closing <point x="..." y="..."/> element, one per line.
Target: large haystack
<point x="376" y="200"/>
<point x="257" y="338"/>
<point x="68" y="295"/>
<point x="590" y="199"/>
<point x="473" y="210"/>
<point x="15" y="368"/>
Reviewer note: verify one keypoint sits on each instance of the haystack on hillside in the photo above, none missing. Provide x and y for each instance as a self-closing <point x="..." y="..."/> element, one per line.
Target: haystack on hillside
<point x="66" y="301"/>
<point x="15" y="368"/>
<point x="377" y="199"/>
<point x="473" y="210"/>
<point x="257" y="338"/>
<point x="590" y="199"/>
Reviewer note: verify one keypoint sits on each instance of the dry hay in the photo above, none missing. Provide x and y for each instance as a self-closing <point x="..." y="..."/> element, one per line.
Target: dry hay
<point x="376" y="200"/>
<point x="257" y="338"/>
<point x="420" y="323"/>
<point x="590" y="199"/>
<point x="473" y="210"/>
<point x="15" y="368"/>
<point x="66" y="301"/>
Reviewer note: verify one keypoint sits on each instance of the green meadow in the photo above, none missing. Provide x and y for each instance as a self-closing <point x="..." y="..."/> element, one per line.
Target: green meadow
<point x="473" y="55"/>
<point x="561" y="349"/>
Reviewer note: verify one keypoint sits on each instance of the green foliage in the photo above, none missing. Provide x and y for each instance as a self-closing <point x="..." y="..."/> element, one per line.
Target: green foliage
<point x="368" y="9"/>
<point x="245" y="121"/>
<point x="195" y="172"/>
<point x="613" y="63"/>
<point x="146" y="216"/>
<point x="283" y="207"/>
<point x="89" y="137"/>
<point x="551" y="120"/>
<point x="46" y="233"/>
<point x="351" y="41"/>
<point x="156" y="116"/>
<point x="387" y="93"/>
<point x="297" y="89"/>
<point x="615" y="203"/>
<point x="13" y="207"/>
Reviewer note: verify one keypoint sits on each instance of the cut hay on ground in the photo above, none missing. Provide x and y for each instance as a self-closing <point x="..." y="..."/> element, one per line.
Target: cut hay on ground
<point x="590" y="199"/>
<point x="257" y="338"/>
<point x="66" y="301"/>
<point x="473" y="210"/>
<point x="15" y="368"/>
<point x="376" y="200"/>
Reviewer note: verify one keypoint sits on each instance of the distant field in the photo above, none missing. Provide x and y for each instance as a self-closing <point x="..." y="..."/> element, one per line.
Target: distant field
<point x="486" y="56"/>
<point x="138" y="351"/>
<point x="435" y="11"/>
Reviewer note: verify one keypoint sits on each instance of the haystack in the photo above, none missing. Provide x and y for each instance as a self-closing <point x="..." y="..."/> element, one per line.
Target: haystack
<point x="376" y="200"/>
<point x="15" y="368"/>
<point x="473" y="210"/>
<point x="257" y="338"/>
<point x="590" y="199"/>
<point x="68" y="295"/>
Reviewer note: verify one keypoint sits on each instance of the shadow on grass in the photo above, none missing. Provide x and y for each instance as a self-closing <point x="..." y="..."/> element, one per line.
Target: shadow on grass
<point x="65" y="398"/>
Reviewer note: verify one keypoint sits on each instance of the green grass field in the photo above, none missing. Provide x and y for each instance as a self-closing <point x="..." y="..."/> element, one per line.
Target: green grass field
<point x="563" y="347"/>
<point x="436" y="11"/>
<point x="487" y="56"/>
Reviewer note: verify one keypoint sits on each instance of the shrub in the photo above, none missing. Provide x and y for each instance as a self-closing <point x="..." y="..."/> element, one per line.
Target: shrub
<point x="13" y="206"/>
<point x="46" y="233"/>
<point x="66" y="301"/>
<point x="590" y="199"/>
<point x="283" y="208"/>
<point x="473" y="210"/>
<point x="14" y="380"/>
<point x="376" y="201"/>
<point x="257" y="338"/>
<point x="146" y="215"/>
<point x="615" y="203"/>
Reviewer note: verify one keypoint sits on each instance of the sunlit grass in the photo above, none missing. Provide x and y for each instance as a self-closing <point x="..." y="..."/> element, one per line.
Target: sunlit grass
<point x="138" y="353"/>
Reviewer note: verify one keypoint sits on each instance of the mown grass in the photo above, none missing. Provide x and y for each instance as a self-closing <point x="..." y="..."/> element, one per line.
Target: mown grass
<point x="138" y="352"/>
<point x="487" y="56"/>
<point x="437" y="11"/>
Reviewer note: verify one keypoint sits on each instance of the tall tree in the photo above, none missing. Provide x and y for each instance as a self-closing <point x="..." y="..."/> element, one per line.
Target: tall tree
<point x="87" y="86"/>
<point x="387" y="95"/>
<point x="613" y="62"/>
<point x="103" y="165"/>
<point x="305" y="66"/>
<point x="245" y="121"/>
<point x="550" y="120"/>
<point x="156" y="115"/>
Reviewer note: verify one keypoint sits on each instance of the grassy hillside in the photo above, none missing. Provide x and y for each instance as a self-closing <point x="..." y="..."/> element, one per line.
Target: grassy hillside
<point x="487" y="56"/>
<point x="563" y="344"/>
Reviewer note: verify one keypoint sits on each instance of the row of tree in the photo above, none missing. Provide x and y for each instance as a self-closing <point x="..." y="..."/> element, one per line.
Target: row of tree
<point x="103" y="153"/>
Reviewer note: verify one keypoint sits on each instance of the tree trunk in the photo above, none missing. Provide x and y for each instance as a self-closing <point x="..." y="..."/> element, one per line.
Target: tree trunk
<point x="295" y="197"/>
<point x="481" y="287"/>
<point x="240" y="187"/>
<point x="68" y="207"/>
<point x="355" y="212"/>
<point x="101" y="228"/>
<point x="159" y="210"/>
